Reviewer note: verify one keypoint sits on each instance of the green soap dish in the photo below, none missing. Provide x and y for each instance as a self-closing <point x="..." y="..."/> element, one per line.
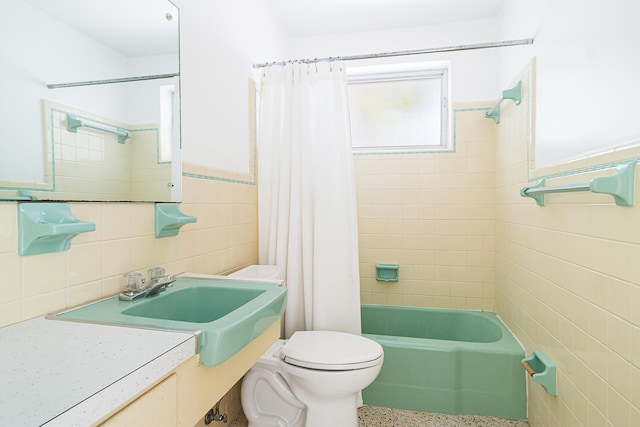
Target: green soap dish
<point x="169" y="219"/>
<point x="47" y="227"/>
<point x="387" y="272"/>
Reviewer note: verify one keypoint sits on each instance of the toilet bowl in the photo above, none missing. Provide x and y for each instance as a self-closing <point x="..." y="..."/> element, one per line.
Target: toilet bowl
<point x="313" y="377"/>
<point x="310" y="380"/>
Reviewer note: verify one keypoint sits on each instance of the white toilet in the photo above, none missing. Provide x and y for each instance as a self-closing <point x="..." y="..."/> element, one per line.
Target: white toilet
<point x="310" y="380"/>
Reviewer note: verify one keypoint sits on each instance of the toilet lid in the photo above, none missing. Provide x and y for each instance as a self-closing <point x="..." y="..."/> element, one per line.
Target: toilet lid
<point x="331" y="351"/>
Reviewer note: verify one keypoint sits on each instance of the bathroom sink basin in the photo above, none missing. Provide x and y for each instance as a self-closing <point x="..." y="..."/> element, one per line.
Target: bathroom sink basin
<point x="225" y="314"/>
<point x="196" y="304"/>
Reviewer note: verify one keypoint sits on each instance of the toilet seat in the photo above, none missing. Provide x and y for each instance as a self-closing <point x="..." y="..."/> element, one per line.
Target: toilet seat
<point x="330" y="351"/>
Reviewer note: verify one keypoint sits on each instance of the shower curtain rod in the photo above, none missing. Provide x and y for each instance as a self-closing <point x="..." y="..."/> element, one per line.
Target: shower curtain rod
<point x="109" y="81"/>
<point x="403" y="52"/>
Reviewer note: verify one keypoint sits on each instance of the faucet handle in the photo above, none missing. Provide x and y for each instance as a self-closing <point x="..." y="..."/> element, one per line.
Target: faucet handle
<point x="132" y="281"/>
<point x="155" y="272"/>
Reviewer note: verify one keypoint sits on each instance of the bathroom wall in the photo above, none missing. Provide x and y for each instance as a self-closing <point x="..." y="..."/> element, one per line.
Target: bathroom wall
<point x="567" y="281"/>
<point x="91" y="165"/>
<point x="221" y="40"/>
<point x="433" y="214"/>
<point x="577" y="45"/>
<point x="473" y="74"/>
<point x="24" y="78"/>
<point x="224" y="238"/>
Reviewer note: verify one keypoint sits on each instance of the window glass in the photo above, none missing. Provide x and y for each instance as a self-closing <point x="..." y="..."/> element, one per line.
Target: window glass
<point x="399" y="111"/>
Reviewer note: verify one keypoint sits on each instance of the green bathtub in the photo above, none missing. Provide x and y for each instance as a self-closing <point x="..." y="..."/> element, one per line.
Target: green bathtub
<point x="445" y="361"/>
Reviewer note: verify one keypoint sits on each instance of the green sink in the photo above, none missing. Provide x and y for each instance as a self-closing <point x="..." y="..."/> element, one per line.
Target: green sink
<point x="196" y="304"/>
<point x="225" y="314"/>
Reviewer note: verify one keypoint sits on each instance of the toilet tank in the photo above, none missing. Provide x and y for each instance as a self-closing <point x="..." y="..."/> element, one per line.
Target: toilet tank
<point x="258" y="272"/>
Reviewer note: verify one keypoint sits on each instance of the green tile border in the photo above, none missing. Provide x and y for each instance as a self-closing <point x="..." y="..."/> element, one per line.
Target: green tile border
<point x="385" y="153"/>
<point x="217" y="178"/>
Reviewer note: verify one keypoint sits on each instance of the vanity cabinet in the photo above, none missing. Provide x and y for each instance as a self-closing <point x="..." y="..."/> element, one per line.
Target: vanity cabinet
<point x="157" y="407"/>
<point x="188" y="392"/>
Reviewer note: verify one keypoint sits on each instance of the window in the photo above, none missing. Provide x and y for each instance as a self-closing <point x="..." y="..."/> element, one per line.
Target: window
<point x="399" y="108"/>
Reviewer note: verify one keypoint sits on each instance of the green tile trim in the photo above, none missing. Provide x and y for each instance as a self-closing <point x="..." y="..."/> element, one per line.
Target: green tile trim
<point x="587" y="169"/>
<point x="216" y="178"/>
<point x="386" y="153"/>
<point x="157" y="142"/>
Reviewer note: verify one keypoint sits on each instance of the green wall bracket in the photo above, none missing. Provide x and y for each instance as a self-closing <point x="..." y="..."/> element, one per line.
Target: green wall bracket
<point x="515" y="94"/>
<point x="169" y="219"/>
<point x="47" y="227"/>
<point x="73" y="123"/>
<point x="542" y="371"/>
<point x="387" y="272"/>
<point x="620" y="185"/>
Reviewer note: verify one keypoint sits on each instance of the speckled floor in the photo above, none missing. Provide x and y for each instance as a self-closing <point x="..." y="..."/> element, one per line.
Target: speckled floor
<point x="374" y="416"/>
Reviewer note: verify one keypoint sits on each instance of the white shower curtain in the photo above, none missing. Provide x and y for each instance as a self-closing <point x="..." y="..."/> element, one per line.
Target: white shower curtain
<point x="306" y="195"/>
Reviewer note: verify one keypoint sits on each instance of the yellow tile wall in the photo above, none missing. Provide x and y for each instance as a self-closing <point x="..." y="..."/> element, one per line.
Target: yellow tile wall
<point x="223" y="239"/>
<point x="433" y="214"/>
<point x="568" y="283"/>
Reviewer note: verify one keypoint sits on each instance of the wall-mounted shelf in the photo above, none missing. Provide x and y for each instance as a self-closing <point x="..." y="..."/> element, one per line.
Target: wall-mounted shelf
<point x="387" y="272"/>
<point x="169" y="219"/>
<point x="47" y="227"/>
<point x="620" y="185"/>
<point x="515" y="94"/>
<point x="73" y="123"/>
<point x="542" y="370"/>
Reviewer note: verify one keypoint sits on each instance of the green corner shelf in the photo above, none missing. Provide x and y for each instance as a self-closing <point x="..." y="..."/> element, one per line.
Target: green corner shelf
<point x="169" y="219"/>
<point x="47" y="227"/>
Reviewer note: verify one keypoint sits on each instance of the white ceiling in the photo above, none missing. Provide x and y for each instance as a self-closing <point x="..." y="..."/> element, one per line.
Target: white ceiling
<point x="302" y="18"/>
<point x="131" y="27"/>
<point x="139" y="27"/>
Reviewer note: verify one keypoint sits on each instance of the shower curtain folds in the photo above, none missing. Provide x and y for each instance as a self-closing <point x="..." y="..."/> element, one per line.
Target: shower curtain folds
<point x="306" y="195"/>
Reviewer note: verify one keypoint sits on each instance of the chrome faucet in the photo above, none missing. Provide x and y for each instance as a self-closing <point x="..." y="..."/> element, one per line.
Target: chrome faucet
<point x="158" y="283"/>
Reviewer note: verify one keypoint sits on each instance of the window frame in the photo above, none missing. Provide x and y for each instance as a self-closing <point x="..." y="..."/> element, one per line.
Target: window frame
<point x="406" y="72"/>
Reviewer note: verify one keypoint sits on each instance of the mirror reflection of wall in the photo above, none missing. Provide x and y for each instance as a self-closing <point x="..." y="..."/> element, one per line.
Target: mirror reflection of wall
<point x="63" y="41"/>
<point x="585" y="74"/>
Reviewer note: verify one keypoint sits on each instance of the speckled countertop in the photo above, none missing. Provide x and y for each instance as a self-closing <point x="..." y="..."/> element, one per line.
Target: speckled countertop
<point x="59" y="373"/>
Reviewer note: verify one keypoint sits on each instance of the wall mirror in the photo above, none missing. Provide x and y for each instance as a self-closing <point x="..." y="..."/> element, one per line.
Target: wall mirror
<point x="90" y="106"/>
<point x="586" y="81"/>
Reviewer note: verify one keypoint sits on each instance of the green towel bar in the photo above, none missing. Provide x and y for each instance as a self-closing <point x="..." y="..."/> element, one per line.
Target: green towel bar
<point x="74" y="122"/>
<point x="620" y="185"/>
